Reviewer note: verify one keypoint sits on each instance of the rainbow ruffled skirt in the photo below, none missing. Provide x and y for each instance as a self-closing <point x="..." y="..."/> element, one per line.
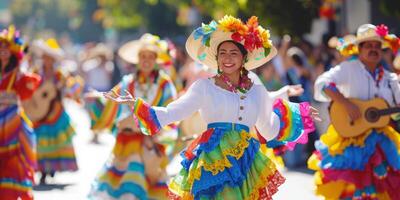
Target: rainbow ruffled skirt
<point x="362" y="167"/>
<point x="54" y="142"/>
<point x="225" y="162"/>
<point x="123" y="176"/>
<point x="17" y="154"/>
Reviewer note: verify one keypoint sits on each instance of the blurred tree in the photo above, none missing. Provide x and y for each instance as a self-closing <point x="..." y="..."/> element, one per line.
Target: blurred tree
<point x="390" y="8"/>
<point x="48" y="18"/>
<point x="168" y="16"/>
<point x="47" y="13"/>
<point x="155" y="16"/>
<point x="283" y="17"/>
<point x="163" y="17"/>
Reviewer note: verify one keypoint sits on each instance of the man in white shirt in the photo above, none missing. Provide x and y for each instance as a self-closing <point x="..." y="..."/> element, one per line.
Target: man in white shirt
<point x="363" y="78"/>
<point x="368" y="162"/>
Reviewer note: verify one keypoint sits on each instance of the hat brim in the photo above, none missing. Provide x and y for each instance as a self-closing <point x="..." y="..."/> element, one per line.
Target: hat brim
<point x="41" y="48"/>
<point x="365" y="39"/>
<point x="100" y="51"/>
<point x="208" y="55"/>
<point x="130" y="51"/>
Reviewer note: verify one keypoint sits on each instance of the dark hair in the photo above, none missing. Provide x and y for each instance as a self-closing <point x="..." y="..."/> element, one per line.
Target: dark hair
<point x="12" y="64"/>
<point x="297" y="59"/>
<point x="237" y="44"/>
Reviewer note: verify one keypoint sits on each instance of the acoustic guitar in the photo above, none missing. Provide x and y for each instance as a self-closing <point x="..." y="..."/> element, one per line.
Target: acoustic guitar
<point x="375" y="113"/>
<point x="38" y="106"/>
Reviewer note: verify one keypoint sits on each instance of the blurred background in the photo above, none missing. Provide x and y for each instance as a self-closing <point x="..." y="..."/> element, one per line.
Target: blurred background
<point x="301" y="30"/>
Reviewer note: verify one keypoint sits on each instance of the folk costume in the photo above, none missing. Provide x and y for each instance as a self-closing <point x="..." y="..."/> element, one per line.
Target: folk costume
<point x="225" y="162"/>
<point x="54" y="131"/>
<point x="363" y="166"/>
<point x="17" y="140"/>
<point x="136" y="168"/>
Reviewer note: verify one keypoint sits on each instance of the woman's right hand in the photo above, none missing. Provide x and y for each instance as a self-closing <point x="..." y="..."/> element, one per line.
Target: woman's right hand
<point x="114" y="96"/>
<point x="352" y="110"/>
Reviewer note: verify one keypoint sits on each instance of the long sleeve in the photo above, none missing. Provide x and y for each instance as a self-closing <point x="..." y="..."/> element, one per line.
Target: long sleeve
<point x="281" y="122"/>
<point x="151" y="119"/>
<point x="295" y="123"/>
<point x="336" y="76"/>
<point x="267" y="122"/>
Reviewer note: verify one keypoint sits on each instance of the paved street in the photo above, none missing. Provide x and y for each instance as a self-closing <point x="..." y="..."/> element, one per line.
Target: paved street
<point x="75" y="186"/>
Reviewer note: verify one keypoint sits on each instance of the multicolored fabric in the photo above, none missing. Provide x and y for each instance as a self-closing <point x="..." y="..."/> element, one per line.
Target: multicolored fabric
<point x="123" y="176"/>
<point x="17" y="154"/>
<point x="145" y="118"/>
<point x="225" y="162"/>
<point x="362" y="167"/>
<point x="102" y="114"/>
<point x="17" y="140"/>
<point x="54" y="141"/>
<point x="296" y="124"/>
<point x="117" y="181"/>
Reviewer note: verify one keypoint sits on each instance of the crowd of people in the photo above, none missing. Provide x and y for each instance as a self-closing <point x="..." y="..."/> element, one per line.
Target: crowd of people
<point x="228" y="104"/>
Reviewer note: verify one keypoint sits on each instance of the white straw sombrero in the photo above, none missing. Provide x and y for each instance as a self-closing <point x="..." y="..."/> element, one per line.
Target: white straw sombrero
<point x="202" y="44"/>
<point x="49" y="47"/>
<point x="130" y="50"/>
<point x="369" y="32"/>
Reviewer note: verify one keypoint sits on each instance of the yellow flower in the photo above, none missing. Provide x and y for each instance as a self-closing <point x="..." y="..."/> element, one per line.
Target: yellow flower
<point x="232" y="24"/>
<point x="265" y="35"/>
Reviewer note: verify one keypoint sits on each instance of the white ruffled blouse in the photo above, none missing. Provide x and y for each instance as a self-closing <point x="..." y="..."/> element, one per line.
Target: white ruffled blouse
<point x="219" y="105"/>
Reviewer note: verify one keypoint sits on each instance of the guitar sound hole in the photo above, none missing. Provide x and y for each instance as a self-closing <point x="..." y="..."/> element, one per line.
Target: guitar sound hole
<point x="44" y="95"/>
<point x="372" y="115"/>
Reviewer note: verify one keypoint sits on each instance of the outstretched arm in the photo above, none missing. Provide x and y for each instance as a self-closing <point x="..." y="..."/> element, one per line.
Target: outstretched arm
<point x="151" y="119"/>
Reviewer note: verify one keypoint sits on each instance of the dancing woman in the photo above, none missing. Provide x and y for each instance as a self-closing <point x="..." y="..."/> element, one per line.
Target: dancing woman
<point x="225" y="162"/>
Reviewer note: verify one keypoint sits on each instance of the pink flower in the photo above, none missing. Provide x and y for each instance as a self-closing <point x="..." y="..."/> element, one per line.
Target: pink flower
<point x="382" y="30"/>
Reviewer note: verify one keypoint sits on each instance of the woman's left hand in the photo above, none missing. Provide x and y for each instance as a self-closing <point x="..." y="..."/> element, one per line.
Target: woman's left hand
<point x="295" y="90"/>
<point x="114" y="96"/>
<point x="315" y="114"/>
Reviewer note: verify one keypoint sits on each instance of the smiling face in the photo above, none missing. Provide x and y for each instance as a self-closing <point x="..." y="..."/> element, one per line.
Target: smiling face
<point x="229" y="58"/>
<point x="147" y="61"/>
<point x="370" y="52"/>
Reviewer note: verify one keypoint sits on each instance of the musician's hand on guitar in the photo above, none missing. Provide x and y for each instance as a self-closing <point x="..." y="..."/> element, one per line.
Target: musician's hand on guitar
<point x="315" y="114"/>
<point x="114" y="96"/>
<point x="295" y="90"/>
<point x="352" y="110"/>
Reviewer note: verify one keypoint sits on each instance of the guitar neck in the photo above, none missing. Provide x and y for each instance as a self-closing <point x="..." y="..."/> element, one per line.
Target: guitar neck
<point x="389" y="111"/>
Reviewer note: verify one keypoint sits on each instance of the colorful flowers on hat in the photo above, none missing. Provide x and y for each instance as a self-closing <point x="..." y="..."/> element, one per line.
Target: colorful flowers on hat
<point x="391" y="40"/>
<point x="382" y="30"/>
<point x="346" y="48"/>
<point x="251" y="34"/>
<point x="11" y="37"/>
<point x="205" y="31"/>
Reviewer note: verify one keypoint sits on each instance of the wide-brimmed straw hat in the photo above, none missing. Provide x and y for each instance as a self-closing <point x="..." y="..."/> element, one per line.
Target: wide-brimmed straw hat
<point x="100" y="50"/>
<point x="348" y="45"/>
<point x="369" y="32"/>
<point x="202" y="44"/>
<point x="345" y="45"/>
<point x="49" y="47"/>
<point x="130" y="50"/>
